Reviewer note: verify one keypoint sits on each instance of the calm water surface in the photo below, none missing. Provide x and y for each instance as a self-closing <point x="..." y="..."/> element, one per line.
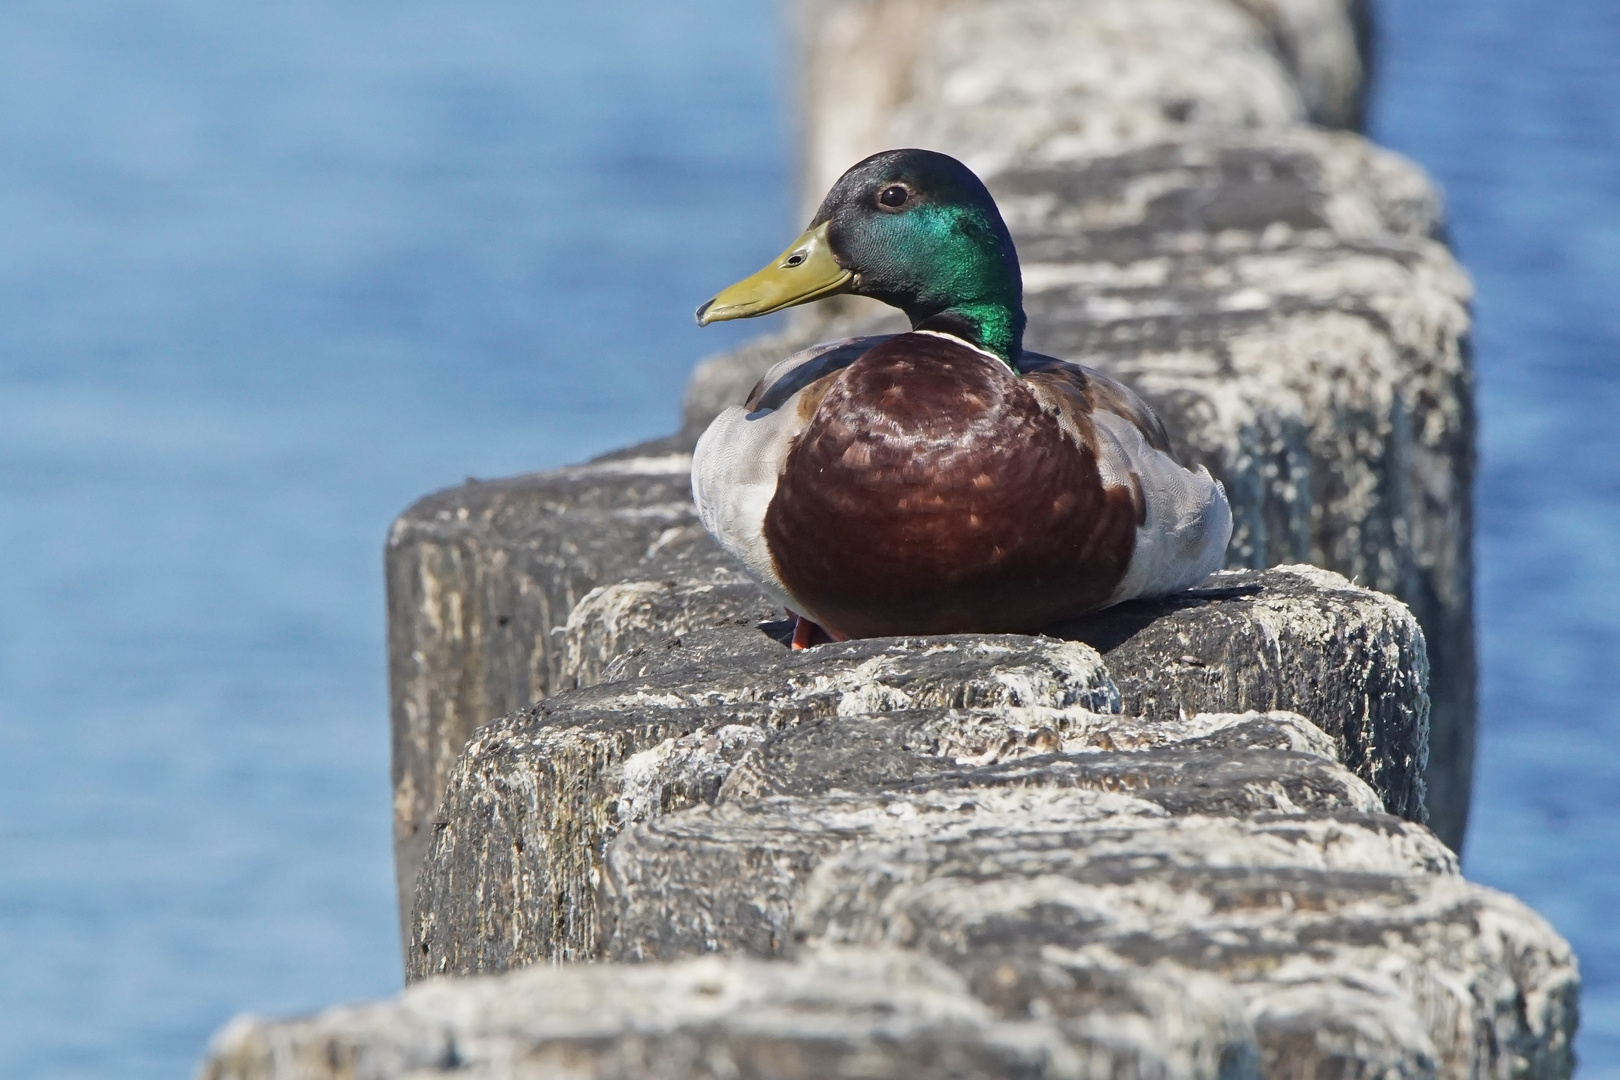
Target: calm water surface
<point x="1514" y="106"/>
<point x="269" y="272"/>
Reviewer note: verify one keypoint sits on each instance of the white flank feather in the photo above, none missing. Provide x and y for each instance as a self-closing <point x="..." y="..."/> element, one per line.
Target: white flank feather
<point x="1188" y="523"/>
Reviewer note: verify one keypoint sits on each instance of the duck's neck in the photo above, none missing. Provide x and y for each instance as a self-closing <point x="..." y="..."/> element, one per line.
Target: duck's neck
<point x="994" y="327"/>
<point x="953" y="270"/>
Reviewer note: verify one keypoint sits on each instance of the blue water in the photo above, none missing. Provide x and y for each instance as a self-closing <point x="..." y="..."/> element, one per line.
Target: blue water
<point x="269" y="272"/>
<point x="1514" y="105"/>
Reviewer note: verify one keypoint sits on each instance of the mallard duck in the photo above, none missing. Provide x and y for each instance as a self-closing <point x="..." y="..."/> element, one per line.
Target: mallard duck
<point x="943" y="480"/>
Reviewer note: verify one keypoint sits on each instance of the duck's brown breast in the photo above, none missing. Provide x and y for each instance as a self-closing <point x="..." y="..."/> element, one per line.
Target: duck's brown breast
<point x="930" y="493"/>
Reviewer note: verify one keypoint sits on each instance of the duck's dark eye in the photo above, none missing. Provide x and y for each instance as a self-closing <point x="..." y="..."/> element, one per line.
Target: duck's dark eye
<point x="894" y="195"/>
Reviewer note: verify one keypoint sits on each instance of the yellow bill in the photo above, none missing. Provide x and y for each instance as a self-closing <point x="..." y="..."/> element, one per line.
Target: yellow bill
<point x="806" y="271"/>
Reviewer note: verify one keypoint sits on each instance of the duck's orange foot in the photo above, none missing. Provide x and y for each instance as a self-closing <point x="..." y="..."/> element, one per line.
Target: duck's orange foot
<point x="807" y="633"/>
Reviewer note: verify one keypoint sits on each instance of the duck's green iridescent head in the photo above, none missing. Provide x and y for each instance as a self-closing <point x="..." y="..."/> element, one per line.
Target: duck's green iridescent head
<point x="911" y="228"/>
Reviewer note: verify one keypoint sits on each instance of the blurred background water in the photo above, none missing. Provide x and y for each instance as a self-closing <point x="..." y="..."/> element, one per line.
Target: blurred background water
<point x="270" y="272"/>
<point x="1514" y="106"/>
